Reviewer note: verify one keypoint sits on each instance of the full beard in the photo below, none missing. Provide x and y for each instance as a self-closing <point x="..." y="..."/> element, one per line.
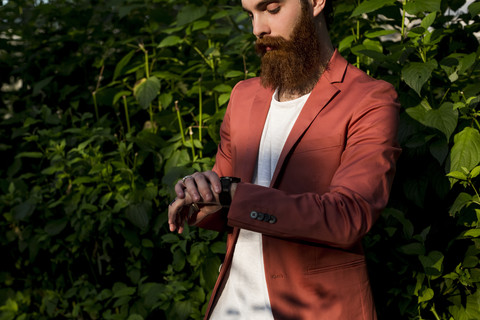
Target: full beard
<point x="293" y="66"/>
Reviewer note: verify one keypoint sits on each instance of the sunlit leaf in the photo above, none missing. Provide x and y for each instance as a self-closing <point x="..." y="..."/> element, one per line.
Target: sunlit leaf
<point x="466" y="150"/>
<point x="474" y="9"/>
<point x="170" y="41"/>
<point x="432" y="263"/>
<point x="369" y="6"/>
<point x="416" y="6"/>
<point x="426" y="295"/>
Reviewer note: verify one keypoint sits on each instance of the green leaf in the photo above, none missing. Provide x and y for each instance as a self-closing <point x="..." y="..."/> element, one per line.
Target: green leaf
<point x="222" y="88"/>
<point x="122" y="63"/>
<point x="38" y="86"/>
<point x="146" y="91"/>
<point x="470" y="311"/>
<point x="466" y="62"/>
<point x="428" y="20"/>
<point x="444" y="119"/>
<point x="234" y="74"/>
<point x="24" y="209"/>
<point x="29" y="155"/>
<point x="466" y="150"/>
<point x="419" y="112"/>
<point x="170" y="238"/>
<point x="475" y="172"/>
<point x="170" y="41"/>
<point x="120" y="95"/>
<point x="415" y="248"/>
<point x="138" y="214"/>
<point x="124" y="291"/>
<point x="223" y="98"/>
<point x="461" y="201"/>
<point x="190" y="13"/>
<point x="181" y="310"/>
<point x="378" y="33"/>
<point x="416" y="6"/>
<point x="209" y="271"/>
<point x="416" y="74"/>
<point x="474" y="9"/>
<point x="197" y="252"/>
<point x="474" y="233"/>
<point x="179" y="260"/>
<point x="439" y="150"/>
<point x="369" y="6"/>
<point x="457" y="175"/>
<point x="426" y="295"/>
<point x="432" y="263"/>
<point x="218" y="247"/>
<point x="346" y="43"/>
<point x="56" y="226"/>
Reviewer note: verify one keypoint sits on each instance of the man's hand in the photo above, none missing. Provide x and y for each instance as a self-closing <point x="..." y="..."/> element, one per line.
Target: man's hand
<point x="200" y="185"/>
<point x="196" y="195"/>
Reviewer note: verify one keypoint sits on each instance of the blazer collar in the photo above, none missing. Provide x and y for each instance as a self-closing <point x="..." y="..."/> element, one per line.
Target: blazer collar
<point x="321" y="94"/>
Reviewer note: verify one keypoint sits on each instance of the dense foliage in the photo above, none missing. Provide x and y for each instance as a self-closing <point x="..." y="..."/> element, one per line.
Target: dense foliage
<point x="105" y="104"/>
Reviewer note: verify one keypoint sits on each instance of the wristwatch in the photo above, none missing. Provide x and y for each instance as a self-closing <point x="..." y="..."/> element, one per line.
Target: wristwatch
<point x="224" y="196"/>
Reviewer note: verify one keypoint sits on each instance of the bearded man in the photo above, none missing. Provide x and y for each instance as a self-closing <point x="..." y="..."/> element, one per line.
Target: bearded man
<point x="306" y="159"/>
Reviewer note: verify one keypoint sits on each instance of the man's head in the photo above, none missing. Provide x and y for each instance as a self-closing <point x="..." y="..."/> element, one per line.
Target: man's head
<point x="289" y="40"/>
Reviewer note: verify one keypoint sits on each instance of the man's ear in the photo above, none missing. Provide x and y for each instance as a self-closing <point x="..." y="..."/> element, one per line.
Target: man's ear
<point x="318" y="6"/>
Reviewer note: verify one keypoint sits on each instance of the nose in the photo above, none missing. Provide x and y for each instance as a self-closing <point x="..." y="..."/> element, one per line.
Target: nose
<point x="260" y="26"/>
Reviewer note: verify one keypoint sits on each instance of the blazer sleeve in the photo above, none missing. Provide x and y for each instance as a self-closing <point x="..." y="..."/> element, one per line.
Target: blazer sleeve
<point x="358" y="192"/>
<point x="223" y="167"/>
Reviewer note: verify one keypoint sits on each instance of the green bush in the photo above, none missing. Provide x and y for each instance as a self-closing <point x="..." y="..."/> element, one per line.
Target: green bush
<point x="106" y="104"/>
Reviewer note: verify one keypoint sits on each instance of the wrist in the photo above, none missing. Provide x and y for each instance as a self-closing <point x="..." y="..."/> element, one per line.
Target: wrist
<point x="229" y="185"/>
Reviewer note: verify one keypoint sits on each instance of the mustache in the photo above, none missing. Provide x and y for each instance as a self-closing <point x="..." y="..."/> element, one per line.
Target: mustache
<point x="274" y="43"/>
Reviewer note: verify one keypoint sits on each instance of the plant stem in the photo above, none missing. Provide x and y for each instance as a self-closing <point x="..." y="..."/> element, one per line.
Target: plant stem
<point x="432" y="309"/>
<point x="94" y="94"/>
<point x="245" y="67"/>
<point x="200" y="116"/>
<point x="358" y="40"/>
<point x="142" y="47"/>
<point x="127" y="116"/>
<point x="180" y="122"/>
<point x="190" y="132"/>
<point x="209" y="63"/>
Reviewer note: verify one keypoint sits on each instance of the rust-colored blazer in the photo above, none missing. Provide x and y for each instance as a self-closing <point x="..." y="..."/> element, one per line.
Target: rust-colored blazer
<point x="331" y="182"/>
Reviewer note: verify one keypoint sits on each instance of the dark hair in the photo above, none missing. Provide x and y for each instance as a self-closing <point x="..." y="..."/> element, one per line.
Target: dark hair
<point x="328" y="12"/>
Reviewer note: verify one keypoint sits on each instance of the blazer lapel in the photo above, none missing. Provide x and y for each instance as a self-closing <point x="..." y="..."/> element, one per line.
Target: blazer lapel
<point x="258" y="115"/>
<point x="323" y="92"/>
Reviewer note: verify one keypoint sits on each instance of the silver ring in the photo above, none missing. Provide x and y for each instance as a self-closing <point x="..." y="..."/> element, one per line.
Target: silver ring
<point x="173" y="201"/>
<point x="185" y="178"/>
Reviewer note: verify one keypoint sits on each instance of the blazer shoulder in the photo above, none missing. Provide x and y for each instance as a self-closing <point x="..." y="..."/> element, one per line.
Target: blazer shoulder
<point x="361" y="85"/>
<point x="251" y="84"/>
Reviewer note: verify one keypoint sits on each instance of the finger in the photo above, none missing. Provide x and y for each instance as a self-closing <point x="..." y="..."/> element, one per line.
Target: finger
<point x="191" y="190"/>
<point x="172" y="218"/>
<point x="214" y="180"/>
<point x="174" y="211"/>
<point x="203" y="187"/>
<point x="179" y="190"/>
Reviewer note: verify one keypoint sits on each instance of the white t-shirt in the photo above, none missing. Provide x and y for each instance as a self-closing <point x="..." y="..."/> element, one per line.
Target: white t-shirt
<point x="245" y="296"/>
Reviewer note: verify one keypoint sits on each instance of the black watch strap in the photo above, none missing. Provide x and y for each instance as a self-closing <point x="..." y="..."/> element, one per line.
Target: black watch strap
<point x="224" y="196"/>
